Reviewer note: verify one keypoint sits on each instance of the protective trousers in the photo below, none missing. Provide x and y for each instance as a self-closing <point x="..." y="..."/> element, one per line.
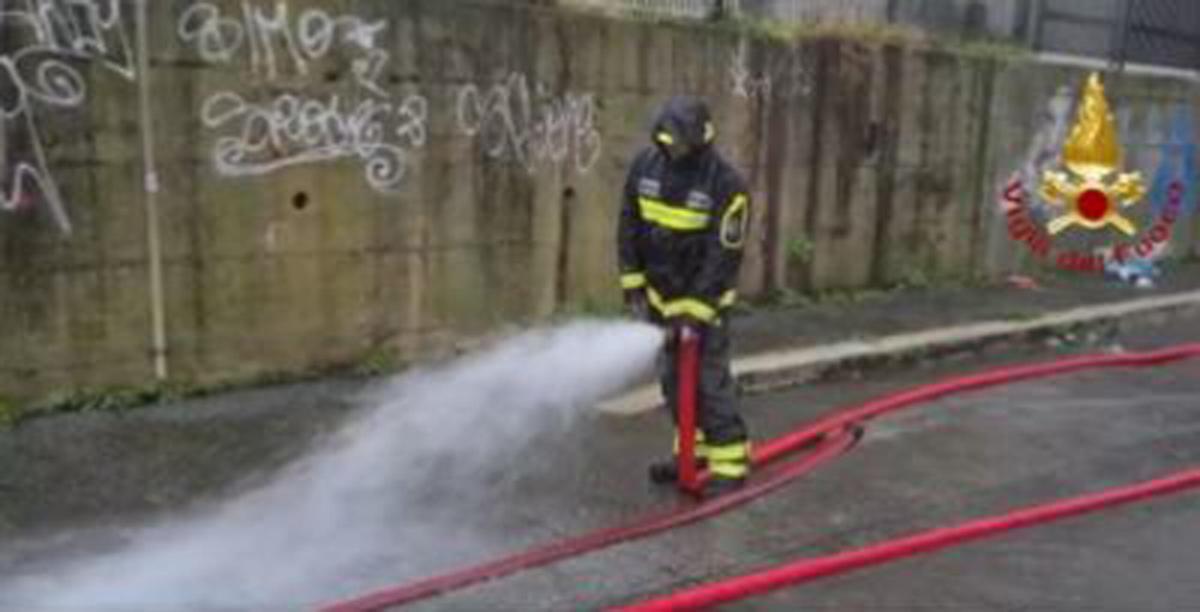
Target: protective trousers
<point x="721" y="436"/>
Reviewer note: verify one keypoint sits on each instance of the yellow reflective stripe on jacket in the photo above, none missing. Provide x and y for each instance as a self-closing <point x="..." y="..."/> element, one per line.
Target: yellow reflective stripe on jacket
<point x="729" y="298"/>
<point x="633" y="280"/>
<point x="665" y="138"/>
<point x="734" y="221"/>
<point x="672" y="217"/>
<point x="684" y="306"/>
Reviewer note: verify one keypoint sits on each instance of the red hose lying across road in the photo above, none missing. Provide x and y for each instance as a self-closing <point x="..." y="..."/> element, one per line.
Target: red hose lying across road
<point x="840" y="421"/>
<point x="829" y="448"/>
<point x="840" y="563"/>
<point x="927" y="393"/>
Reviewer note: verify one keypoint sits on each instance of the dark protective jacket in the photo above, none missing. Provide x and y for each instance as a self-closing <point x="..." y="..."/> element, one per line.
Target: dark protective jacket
<point x="683" y="221"/>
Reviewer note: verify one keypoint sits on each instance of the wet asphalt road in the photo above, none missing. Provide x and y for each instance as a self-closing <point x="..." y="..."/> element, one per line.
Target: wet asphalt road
<point x="972" y="456"/>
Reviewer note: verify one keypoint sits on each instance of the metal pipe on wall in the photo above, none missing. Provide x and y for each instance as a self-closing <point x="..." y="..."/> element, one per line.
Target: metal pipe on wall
<point x="149" y="164"/>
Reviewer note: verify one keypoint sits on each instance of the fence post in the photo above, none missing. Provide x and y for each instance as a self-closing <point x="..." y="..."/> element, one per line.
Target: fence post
<point x="718" y="10"/>
<point x="1029" y="27"/>
<point x="1122" y="22"/>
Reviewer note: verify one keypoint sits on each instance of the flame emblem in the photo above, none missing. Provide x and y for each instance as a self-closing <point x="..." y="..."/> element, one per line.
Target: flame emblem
<point x="1093" y="189"/>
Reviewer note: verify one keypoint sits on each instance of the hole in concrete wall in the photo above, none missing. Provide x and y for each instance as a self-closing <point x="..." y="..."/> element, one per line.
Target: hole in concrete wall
<point x="300" y="201"/>
<point x="564" y="246"/>
<point x="332" y="76"/>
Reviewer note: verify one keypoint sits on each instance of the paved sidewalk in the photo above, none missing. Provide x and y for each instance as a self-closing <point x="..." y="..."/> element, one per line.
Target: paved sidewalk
<point x="779" y="347"/>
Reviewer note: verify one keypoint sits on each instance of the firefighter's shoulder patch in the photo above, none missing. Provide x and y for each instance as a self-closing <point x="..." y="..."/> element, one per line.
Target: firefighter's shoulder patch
<point x="698" y="200"/>
<point x="649" y="188"/>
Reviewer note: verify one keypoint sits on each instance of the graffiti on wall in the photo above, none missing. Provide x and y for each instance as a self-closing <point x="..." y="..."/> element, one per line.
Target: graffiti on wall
<point x="530" y="125"/>
<point x="259" y="136"/>
<point x="746" y="83"/>
<point x="46" y="47"/>
<point x="788" y="73"/>
<point x="274" y="40"/>
<point x="42" y="46"/>
<point x="1176" y="161"/>
<point x="294" y="130"/>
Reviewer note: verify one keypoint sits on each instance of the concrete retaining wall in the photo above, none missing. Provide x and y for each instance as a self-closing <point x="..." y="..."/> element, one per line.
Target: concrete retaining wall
<point x="343" y="180"/>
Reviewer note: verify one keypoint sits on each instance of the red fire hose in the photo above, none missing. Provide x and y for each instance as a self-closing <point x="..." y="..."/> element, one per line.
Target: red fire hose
<point x="810" y="569"/>
<point x="832" y="435"/>
<point x="1002" y="376"/>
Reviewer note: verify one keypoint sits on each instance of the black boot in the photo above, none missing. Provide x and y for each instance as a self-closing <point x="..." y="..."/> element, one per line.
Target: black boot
<point x="667" y="472"/>
<point x="717" y="486"/>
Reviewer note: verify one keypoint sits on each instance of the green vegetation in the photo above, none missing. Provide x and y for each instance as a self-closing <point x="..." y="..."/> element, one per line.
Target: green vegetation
<point x="123" y="398"/>
<point x="914" y="277"/>
<point x="800" y="249"/>
<point x="867" y="32"/>
<point x="790" y="298"/>
<point x="107" y="399"/>
<point x="985" y="49"/>
<point x="786" y="298"/>
<point x="1021" y="316"/>
<point x="377" y="362"/>
<point x="9" y="413"/>
<point x="851" y="297"/>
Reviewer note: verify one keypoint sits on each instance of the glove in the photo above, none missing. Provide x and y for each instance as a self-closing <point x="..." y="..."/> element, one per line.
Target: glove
<point x="637" y="304"/>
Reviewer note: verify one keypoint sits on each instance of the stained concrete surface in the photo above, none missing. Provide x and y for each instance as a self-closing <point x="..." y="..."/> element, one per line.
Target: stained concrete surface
<point x="868" y="164"/>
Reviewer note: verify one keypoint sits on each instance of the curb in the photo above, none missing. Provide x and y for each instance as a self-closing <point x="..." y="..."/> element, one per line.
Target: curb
<point x="780" y="369"/>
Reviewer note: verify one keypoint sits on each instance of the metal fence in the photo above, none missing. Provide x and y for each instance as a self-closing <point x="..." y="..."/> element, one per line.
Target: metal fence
<point x="671" y="9"/>
<point x="805" y="10"/>
<point x="1155" y="32"/>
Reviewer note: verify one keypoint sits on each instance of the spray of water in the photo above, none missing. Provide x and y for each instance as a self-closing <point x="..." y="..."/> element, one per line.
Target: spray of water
<point x="407" y="484"/>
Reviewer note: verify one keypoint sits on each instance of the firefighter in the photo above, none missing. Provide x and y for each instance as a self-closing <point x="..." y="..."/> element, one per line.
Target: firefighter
<point x="683" y="225"/>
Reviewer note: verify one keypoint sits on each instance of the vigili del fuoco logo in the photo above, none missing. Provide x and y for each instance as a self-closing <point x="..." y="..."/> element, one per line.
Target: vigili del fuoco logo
<point x="1091" y="192"/>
